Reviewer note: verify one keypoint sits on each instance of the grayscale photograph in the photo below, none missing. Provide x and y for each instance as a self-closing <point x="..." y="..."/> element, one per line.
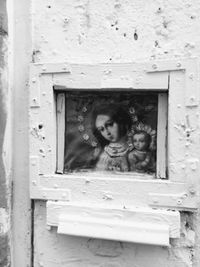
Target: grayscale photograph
<point x="111" y="131"/>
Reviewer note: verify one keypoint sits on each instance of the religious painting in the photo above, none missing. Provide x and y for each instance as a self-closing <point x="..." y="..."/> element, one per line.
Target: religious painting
<point x="112" y="131"/>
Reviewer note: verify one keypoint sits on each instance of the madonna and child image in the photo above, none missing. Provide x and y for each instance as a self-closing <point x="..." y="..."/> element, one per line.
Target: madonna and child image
<point x="110" y="137"/>
<point x="121" y="151"/>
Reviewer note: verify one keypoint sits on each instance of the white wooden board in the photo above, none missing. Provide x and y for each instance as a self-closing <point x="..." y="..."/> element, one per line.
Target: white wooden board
<point x="139" y="225"/>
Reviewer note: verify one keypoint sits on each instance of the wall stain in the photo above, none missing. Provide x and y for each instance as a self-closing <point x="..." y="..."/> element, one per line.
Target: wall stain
<point x="105" y="248"/>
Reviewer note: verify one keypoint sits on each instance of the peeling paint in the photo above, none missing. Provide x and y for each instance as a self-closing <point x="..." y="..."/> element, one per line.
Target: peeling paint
<point x="4" y="222"/>
<point x="38" y="132"/>
<point x="107" y="196"/>
<point x="105" y="248"/>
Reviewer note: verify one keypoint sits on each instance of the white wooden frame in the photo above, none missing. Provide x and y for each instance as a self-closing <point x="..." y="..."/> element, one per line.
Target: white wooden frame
<point x="74" y="195"/>
<point x="161" y="168"/>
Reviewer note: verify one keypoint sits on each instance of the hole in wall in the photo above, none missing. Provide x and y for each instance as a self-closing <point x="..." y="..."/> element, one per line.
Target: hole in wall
<point x="188" y="134"/>
<point x="187" y="225"/>
<point x="156" y="44"/>
<point x="159" y="10"/>
<point x="135" y="36"/>
<point x="165" y="24"/>
<point x="114" y="24"/>
<point x="192" y="17"/>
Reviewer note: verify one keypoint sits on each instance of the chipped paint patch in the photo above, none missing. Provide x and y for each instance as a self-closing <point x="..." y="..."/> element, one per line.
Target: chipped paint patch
<point x="4" y="251"/>
<point x="105" y="248"/>
<point x="4" y="222"/>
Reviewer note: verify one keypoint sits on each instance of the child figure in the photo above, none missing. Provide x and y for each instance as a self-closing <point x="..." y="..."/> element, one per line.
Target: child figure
<point x="140" y="156"/>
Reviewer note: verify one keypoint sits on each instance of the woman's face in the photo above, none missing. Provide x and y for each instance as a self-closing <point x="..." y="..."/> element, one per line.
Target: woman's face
<point x="108" y="128"/>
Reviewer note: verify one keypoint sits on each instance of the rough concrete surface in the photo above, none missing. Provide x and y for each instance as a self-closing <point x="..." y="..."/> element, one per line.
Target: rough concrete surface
<point x="4" y="192"/>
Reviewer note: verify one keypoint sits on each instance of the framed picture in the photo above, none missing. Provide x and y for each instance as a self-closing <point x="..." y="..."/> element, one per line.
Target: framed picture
<point x="115" y="145"/>
<point x="109" y="131"/>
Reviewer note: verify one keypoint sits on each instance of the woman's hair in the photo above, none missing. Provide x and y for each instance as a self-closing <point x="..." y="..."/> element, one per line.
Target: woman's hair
<point x="117" y="114"/>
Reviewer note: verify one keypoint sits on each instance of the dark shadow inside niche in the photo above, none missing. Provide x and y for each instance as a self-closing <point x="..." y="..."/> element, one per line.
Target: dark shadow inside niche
<point x="110" y="131"/>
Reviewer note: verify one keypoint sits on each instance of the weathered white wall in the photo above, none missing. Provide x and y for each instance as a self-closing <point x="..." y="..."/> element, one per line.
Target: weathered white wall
<point x="86" y="31"/>
<point x="115" y="30"/>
